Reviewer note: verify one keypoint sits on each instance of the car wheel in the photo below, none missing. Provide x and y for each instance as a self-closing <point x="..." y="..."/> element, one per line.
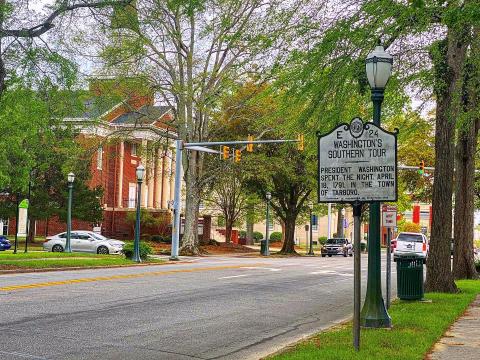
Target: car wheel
<point x="351" y="254"/>
<point x="329" y="255"/>
<point x="57" y="248"/>
<point x="102" y="250"/>
<point x="323" y="255"/>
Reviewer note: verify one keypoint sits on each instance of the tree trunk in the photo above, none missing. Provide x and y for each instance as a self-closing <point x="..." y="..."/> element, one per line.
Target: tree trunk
<point x="249" y="235"/>
<point x="289" y="243"/>
<point x="463" y="257"/>
<point x="340" y="223"/>
<point x="192" y="202"/>
<point x="448" y="75"/>
<point x="228" y="230"/>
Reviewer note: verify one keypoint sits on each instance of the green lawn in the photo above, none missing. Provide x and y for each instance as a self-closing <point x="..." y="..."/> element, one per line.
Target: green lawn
<point x="416" y="327"/>
<point x="42" y="260"/>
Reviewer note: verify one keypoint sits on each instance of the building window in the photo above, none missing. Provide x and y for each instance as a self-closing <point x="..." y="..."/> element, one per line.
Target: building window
<point x="132" y="194"/>
<point x="133" y="150"/>
<point x="314" y="222"/>
<point x="100" y="158"/>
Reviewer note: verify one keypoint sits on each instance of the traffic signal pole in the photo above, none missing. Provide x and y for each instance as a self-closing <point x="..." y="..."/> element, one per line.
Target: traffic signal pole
<point x="201" y="147"/>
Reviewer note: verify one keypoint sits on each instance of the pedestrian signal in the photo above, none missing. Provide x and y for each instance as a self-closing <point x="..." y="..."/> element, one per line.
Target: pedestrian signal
<point x="421" y="167"/>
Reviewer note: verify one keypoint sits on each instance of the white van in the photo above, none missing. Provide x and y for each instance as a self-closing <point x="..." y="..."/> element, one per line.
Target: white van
<point x="411" y="243"/>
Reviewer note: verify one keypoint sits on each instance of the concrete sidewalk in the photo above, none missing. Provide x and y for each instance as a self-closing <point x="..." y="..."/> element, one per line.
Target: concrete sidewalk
<point x="462" y="340"/>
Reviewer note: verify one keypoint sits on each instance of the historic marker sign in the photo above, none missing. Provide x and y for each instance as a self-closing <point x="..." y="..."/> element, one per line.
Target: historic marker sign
<point x="357" y="162"/>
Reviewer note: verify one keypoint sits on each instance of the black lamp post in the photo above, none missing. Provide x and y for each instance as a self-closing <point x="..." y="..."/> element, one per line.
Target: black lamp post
<point x="70" y="180"/>
<point x="378" y="66"/>
<point x="310" y="206"/>
<point x="136" y="244"/>
<point x="268" y="196"/>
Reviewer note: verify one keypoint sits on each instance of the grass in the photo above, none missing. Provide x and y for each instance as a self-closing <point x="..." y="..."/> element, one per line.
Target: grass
<point x="44" y="260"/>
<point x="417" y="326"/>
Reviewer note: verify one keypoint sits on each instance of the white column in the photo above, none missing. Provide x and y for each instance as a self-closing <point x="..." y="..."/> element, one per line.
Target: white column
<point x="167" y="161"/>
<point x="150" y="179"/>
<point x="172" y="176"/>
<point x="158" y="179"/>
<point x="120" y="176"/>
<point x="144" y="183"/>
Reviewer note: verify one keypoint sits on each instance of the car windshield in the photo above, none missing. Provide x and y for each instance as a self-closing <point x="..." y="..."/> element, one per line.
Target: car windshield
<point x="410" y="237"/>
<point x="336" y="241"/>
<point x="98" y="236"/>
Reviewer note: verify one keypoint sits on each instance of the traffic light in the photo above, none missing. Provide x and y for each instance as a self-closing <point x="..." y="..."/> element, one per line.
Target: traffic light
<point x="300" y="145"/>
<point x="421" y="167"/>
<point x="238" y="155"/>
<point x="226" y="152"/>
<point x="250" y="146"/>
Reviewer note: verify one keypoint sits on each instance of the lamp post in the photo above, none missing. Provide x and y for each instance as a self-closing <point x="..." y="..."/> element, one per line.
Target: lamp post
<point x="136" y="244"/>
<point x="70" y="180"/>
<point x="268" y="196"/>
<point x="310" y="206"/>
<point x="378" y="66"/>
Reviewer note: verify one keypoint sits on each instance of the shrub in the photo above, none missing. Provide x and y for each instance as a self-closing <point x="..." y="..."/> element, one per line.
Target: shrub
<point x="145" y="250"/>
<point x="477" y="265"/>
<point x="166" y="239"/>
<point x="157" y="238"/>
<point x="257" y="236"/>
<point x="322" y="240"/>
<point x="276" y="236"/>
<point x="363" y="246"/>
<point x="410" y="227"/>
<point x="242" y="234"/>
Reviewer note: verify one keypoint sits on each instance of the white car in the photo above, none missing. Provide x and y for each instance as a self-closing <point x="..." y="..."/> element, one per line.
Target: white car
<point x="84" y="241"/>
<point x="411" y="243"/>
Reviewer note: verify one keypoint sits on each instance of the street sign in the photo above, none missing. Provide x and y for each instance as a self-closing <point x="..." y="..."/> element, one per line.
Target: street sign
<point x="357" y="162"/>
<point x="389" y="216"/>
<point x="23" y="204"/>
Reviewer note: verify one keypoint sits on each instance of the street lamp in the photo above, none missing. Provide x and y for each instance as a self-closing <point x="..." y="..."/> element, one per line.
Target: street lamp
<point x="310" y="206"/>
<point x="140" y="172"/>
<point x="70" y="180"/>
<point x="378" y="66"/>
<point x="268" y="196"/>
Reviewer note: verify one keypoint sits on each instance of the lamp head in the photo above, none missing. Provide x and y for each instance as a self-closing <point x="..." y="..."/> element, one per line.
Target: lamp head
<point x="378" y="67"/>
<point x="140" y="172"/>
<point x="268" y="196"/>
<point x="71" y="177"/>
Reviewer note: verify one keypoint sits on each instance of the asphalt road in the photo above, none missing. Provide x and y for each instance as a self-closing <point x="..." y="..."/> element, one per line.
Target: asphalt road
<point x="211" y="308"/>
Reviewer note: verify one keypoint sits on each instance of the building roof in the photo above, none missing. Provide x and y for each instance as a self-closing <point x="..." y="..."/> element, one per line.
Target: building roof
<point x="145" y="115"/>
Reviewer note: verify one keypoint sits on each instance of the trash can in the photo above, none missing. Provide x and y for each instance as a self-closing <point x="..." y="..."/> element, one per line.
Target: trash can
<point x="263" y="247"/>
<point x="410" y="277"/>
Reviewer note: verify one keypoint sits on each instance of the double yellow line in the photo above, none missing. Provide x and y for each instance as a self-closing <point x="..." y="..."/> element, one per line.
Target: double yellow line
<point x="120" y="277"/>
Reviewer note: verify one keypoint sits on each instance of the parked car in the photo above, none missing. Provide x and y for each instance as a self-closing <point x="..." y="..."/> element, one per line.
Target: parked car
<point x="84" y="241"/>
<point x="4" y="243"/>
<point x="411" y="243"/>
<point x="340" y="246"/>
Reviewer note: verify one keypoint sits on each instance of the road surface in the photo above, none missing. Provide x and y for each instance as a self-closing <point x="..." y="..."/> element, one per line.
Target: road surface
<point x="209" y="308"/>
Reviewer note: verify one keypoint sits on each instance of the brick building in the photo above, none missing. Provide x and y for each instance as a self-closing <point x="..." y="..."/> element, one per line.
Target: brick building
<point x="134" y="131"/>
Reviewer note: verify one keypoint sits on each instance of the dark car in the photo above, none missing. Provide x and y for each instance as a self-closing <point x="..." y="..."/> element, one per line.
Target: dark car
<point x="4" y="243"/>
<point x="338" y="246"/>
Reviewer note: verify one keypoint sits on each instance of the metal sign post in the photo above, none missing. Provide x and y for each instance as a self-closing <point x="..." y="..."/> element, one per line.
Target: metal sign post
<point x="357" y="216"/>
<point x="389" y="220"/>
<point x="357" y="164"/>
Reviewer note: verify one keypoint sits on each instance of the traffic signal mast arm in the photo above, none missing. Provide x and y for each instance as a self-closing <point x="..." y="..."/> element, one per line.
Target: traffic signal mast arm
<point x="191" y="146"/>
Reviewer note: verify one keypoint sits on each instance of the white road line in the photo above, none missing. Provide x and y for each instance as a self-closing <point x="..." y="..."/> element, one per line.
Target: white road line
<point x="231" y="277"/>
<point x="324" y="272"/>
<point x="260" y="268"/>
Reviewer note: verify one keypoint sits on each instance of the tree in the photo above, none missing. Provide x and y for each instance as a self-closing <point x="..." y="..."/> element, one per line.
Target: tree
<point x="191" y="52"/>
<point x="288" y="175"/>
<point x="229" y="194"/>
<point x="20" y="27"/>
<point x="325" y="75"/>
<point x="37" y="151"/>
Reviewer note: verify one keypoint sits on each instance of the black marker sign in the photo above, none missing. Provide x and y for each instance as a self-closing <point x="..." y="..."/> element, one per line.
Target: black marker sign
<point x="357" y="162"/>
